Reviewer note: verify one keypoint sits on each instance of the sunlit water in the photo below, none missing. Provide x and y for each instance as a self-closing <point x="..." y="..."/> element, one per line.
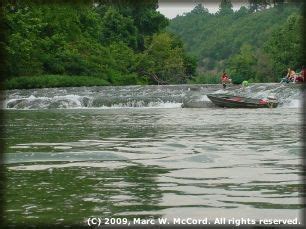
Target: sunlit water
<point x="66" y="165"/>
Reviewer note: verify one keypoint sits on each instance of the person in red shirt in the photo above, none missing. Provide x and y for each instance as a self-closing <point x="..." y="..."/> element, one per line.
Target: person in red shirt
<point x="303" y="74"/>
<point x="225" y="79"/>
<point x="300" y="78"/>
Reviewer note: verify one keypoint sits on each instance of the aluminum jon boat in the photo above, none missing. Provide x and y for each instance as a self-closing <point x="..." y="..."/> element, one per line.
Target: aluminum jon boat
<point x="232" y="101"/>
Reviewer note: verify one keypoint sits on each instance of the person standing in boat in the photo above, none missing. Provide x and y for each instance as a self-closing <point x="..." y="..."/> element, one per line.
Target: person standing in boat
<point x="225" y="79"/>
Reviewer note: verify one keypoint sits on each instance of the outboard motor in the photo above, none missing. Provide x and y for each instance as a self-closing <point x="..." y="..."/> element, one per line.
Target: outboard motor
<point x="271" y="99"/>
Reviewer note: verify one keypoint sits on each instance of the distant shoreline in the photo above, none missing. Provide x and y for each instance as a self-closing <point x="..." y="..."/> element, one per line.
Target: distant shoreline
<point x="184" y="86"/>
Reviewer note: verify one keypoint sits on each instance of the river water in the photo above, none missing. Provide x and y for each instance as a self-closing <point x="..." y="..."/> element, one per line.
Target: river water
<point x="66" y="162"/>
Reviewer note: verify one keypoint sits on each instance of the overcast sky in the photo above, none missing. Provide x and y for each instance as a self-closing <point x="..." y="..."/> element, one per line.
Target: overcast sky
<point x="177" y="7"/>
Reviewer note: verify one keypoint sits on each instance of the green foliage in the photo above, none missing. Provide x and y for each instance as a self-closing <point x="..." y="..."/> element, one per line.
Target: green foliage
<point x="117" y="28"/>
<point x="256" y="5"/>
<point x="263" y="68"/>
<point x="226" y="7"/>
<point x="22" y="44"/>
<point x="145" y="17"/>
<point x="199" y="9"/>
<point x="285" y="45"/>
<point x="124" y="42"/>
<point x="164" y="59"/>
<point x="217" y="41"/>
<point x="241" y="64"/>
<point x="190" y="63"/>
<point x="208" y="78"/>
<point x="41" y="81"/>
<point x="105" y="41"/>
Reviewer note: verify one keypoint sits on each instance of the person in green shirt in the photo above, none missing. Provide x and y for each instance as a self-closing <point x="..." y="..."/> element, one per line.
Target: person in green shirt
<point x="245" y="83"/>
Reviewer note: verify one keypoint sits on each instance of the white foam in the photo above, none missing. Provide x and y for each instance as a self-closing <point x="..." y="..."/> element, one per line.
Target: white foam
<point x="204" y="98"/>
<point x="167" y="105"/>
<point x="294" y="103"/>
<point x="83" y="98"/>
<point x="142" y="105"/>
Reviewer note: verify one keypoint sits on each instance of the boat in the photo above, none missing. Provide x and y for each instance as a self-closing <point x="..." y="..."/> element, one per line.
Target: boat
<point x="232" y="101"/>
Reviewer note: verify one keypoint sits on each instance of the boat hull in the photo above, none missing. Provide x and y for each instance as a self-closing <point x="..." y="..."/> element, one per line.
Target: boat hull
<point x="230" y="101"/>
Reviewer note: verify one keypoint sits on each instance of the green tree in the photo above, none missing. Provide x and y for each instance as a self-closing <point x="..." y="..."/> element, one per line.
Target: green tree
<point x="144" y="14"/>
<point x="23" y="38"/>
<point x="104" y="41"/>
<point x="256" y="5"/>
<point x="116" y="27"/>
<point x="213" y="39"/>
<point x="199" y="9"/>
<point x="241" y="65"/>
<point x="164" y="60"/>
<point x="124" y="65"/>
<point x="225" y="7"/>
<point x="285" y="46"/>
<point x="264" y="68"/>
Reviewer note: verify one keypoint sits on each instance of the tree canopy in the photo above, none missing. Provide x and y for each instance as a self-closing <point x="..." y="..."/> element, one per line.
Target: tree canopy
<point x="258" y="42"/>
<point x="105" y="39"/>
<point x="122" y="42"/>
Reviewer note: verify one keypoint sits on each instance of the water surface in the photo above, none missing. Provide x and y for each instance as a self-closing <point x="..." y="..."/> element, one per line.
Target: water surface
<point x="64" y="165"/>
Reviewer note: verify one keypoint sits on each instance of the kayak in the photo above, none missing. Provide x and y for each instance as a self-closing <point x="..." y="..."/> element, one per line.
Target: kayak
<point x="232" y="101"/>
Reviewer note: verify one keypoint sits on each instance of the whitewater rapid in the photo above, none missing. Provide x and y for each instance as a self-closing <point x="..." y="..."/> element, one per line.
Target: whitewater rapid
<point x="153" y="96"/>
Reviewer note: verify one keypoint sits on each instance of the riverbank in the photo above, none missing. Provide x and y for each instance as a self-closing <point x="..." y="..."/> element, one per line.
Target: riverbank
<point x="62" y="81"/>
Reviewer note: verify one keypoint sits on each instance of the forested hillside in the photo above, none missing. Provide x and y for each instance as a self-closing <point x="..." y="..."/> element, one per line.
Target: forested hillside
<point x="125" y="42"/>
<point x="256" y="43"/>
<point x="102" y="42"/>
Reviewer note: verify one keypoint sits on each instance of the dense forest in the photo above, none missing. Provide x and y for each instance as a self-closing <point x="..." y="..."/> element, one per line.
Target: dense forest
<point x="256" y="43"/>
<point x="125" y="42"/>
<point x="105" y="43"/>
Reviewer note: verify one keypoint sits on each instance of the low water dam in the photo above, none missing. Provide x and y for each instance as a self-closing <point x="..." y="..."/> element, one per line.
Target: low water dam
<point x="166" y="96"/>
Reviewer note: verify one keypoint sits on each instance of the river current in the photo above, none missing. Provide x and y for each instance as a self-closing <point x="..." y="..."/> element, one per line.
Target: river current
<point x="65" y="161"/>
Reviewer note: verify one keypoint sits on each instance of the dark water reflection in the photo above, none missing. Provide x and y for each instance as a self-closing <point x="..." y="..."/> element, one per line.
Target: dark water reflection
<point x="66" y="165"/>
<point x="71" y="194"/>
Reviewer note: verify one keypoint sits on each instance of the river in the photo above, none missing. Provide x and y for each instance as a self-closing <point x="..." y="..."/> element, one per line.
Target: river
<point x="134" y="152"/>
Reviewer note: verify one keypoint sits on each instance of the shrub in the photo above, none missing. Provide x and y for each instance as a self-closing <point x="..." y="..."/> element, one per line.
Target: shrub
<point x="27" y="82"/>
